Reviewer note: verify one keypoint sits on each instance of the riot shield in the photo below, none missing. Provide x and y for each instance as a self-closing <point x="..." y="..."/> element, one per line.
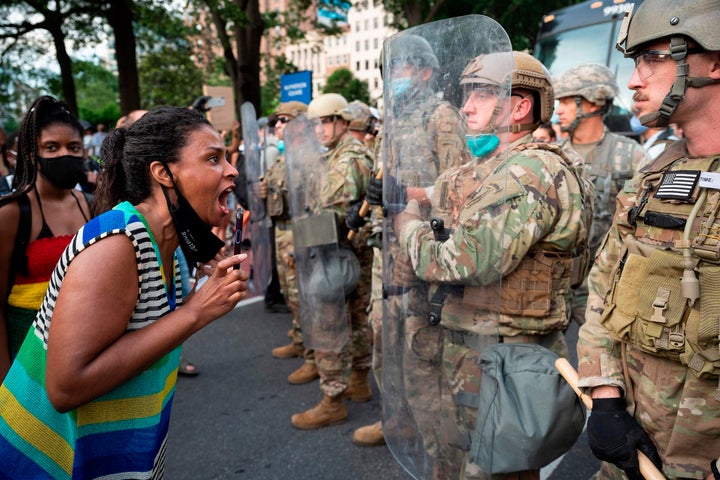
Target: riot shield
<point x="259" y="221"/>
<point x="322" y="267"/>
<point x="422" y="68"/>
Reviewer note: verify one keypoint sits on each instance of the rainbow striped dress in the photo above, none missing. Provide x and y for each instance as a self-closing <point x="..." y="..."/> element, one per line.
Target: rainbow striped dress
<point x="120" y="435"/>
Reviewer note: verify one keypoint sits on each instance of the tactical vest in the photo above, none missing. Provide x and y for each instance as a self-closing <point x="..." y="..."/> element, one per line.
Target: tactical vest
<point x="362" y="166"/>
<point x="277" y="202"/>
<point x="665" y="294"/>
<point x="533" y="295"/>
<point x="607" y="167"/>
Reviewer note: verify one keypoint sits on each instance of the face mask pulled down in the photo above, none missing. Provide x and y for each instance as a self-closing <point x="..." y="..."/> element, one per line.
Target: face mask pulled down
<point x="481" y="145"/>
<point x="63" y="172"/>
<point x="197" y="241"/>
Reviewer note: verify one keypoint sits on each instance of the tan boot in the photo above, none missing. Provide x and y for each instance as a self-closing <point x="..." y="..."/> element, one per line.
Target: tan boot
<point x="306" y="373"/>
<point x="287" y="351"/>
<point x="369" y="435"/>
<point x="359" y="389"/>
<point x="330" y="411"/>
<point x="290" y="333"/>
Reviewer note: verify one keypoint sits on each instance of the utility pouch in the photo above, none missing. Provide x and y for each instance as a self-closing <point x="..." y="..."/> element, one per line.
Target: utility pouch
<point x="527" y="413"/>
<point x="528" y="290"/>
<point x="646" y="307"/>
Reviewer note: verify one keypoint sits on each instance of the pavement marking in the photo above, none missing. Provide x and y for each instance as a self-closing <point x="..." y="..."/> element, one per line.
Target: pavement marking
<point x="249" y="301"/>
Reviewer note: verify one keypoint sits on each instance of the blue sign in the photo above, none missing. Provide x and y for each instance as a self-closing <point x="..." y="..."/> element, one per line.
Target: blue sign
<point x="296" y="86"/>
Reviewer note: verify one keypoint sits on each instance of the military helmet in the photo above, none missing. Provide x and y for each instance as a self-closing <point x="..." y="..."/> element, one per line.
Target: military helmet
<point x="592" y="81"/>
<point x="408" y="46"/>
<point x="327" y="105"/>
<point x="361" y="116"/>
<point x="488" y="69"/>
<point x="291" y="109"/>
<point x="532" y="75"/>
<point x="657" y="19"/>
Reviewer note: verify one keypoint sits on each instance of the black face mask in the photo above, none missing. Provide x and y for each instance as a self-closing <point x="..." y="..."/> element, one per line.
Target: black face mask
<point x="197" y="241"/>
<point x="63" y="172"/>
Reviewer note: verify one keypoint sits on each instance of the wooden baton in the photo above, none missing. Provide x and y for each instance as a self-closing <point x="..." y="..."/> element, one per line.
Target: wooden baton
<point x="364" y="208"/>
<point x="647" y="468"/>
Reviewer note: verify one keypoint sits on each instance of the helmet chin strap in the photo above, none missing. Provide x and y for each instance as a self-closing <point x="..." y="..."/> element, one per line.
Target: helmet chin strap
<point x="679" y="52"/>
<point x="579" y="115"/>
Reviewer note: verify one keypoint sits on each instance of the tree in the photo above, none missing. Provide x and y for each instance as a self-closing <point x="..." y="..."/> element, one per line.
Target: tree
<point x="343" y="81"/>
<point x="520" y="18"/>
<point x="97" y="89"/>
<point x="50" y="20"/>
<point x="239" y="28"/>
<point x="168" y="76"/>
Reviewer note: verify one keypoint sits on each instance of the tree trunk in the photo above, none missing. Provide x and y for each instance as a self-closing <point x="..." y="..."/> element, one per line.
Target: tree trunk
<point x="120" y="18"/>
<point x="65" y="64"/>
<point x="247" y="40"/>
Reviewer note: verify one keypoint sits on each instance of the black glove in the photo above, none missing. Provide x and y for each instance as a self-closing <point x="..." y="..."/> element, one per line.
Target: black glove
<point x="353" y="220"/>
<point x="396" y="192"/>
<point x="615" y="437"/>
<point x="373" y="192"/>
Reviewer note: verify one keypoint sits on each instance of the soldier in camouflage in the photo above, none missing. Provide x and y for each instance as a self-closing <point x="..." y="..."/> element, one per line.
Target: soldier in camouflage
<point x="648" y="355"/>
<point x="585" y="94"/>
<point x="274" y="189"/>
<point x="430" y="135"/>
<point x="502" y="225"/>
<point x="343" y="374"/>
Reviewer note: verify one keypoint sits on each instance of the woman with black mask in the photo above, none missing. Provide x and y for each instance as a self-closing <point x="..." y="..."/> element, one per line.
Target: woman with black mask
<point x="90" y="392"/>
<point x="38" y="219"/>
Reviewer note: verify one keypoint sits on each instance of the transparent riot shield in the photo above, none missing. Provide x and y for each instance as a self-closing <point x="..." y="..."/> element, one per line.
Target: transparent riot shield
<point x="430" y="326"/>
<point x="259" y="221"/>
<point x="322" y="267"/>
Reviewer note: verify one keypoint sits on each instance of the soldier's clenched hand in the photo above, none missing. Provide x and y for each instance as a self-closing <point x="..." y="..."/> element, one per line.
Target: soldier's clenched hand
<point x="615" y="437"/>
<point x="353" y="220"/>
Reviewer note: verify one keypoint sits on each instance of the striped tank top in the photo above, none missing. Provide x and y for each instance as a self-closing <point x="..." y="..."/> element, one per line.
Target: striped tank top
<point x="120" y="435"/>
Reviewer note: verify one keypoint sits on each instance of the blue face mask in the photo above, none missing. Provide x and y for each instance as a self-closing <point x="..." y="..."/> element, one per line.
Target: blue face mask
<point x="281" y="146"/>
<point x="400" y="86"/>
<point x="481" y="145"/>
<point x="637" y="127"/>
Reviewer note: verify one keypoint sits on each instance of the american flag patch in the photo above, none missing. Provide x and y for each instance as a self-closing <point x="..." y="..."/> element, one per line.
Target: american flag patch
<point x="678" y="185"/>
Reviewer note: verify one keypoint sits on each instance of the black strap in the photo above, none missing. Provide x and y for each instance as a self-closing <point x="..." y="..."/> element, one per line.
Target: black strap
<point x="18" y="261"/>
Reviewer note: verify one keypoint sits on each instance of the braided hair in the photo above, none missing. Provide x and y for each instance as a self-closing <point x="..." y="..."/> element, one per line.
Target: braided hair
<point x="127" y="153"/>
<point x="43" y="112"/>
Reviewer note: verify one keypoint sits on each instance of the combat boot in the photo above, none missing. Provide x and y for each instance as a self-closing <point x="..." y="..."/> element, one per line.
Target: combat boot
<point x="330" y="411"/>
<point x="369" y="435"/>
<point x="306" y="373"/>
<point x="287" y="351"/>
<point x="359" y="389"/>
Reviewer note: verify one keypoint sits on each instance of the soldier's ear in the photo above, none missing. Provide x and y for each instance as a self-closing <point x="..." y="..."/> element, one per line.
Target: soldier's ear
<point x="715" y="67"/>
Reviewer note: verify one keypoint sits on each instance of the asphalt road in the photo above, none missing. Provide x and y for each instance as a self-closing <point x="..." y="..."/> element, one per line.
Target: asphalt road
<point x="232" y="421"/>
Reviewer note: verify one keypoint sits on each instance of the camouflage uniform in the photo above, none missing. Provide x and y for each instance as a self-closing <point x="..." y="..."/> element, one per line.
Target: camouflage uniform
<point x="608" y="164"/>
<point x="349" y="166"/>
<point x="667" y="392"/>
<point x="278" y="208"/>
<point x="375" y="310"/>
<point x="542" y="206"/>
<point x="428" y="138"/>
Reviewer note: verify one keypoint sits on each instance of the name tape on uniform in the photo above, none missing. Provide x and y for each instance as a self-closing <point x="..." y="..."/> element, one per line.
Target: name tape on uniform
<point x="709" y="180"/>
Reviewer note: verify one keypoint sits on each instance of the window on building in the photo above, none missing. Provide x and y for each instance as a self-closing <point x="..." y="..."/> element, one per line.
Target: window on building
<point x="375" y="22"/>
<point x="367" y="44"/>
<point x="357" y="46"/>
<point x="357" y="66"/>
<point x="367" y="64"/>
<point x="376" y="42"/>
